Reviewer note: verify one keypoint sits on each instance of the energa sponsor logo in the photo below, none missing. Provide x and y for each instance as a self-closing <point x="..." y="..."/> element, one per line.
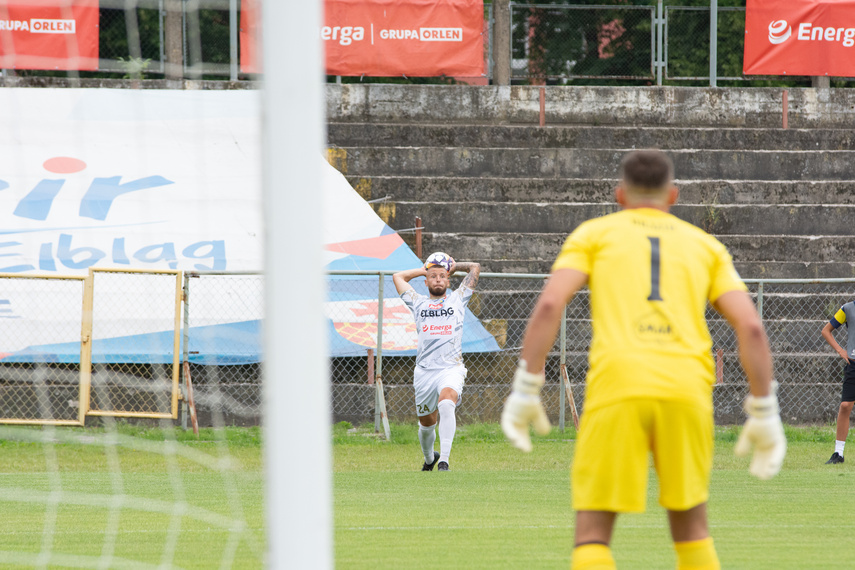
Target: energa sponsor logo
<point x="779" y="31"/>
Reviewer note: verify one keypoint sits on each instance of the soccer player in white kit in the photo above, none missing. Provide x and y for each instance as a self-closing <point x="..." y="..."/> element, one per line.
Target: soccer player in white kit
<point x="439" y="373"/>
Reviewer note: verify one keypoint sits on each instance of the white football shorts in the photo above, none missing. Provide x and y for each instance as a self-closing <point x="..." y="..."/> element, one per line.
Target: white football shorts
<point x="429" y="383"/>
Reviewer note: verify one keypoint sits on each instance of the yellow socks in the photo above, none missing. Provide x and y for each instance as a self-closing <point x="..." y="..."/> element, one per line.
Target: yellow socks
<point x="697" y="555"/>
<point x="692" y="555"/>
<point x="592" y="557"/>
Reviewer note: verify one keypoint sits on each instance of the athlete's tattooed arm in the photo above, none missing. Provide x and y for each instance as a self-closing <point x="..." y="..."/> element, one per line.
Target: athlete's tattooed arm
<point x="473" y="269"/>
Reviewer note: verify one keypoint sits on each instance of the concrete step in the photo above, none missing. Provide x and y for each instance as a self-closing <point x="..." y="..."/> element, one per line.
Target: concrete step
<point x="636" y="105"/>
<point x="596" y="190"/>
<point x="689" y="164"/>
<point x="748" y="270"/>
<point x="545" y="246"/>
<point x="581" y="136"/>
<point x="530" y="217"/>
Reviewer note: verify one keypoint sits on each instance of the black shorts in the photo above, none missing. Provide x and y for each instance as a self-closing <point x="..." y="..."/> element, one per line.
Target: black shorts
<point x="848" y="383"/>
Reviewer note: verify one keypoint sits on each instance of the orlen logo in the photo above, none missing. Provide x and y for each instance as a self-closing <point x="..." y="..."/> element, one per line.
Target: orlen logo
<point x="441" y="34"/>
<point x="779" y="31"/>
<point x="424" y="34"/>
<point x="40" y="26"/>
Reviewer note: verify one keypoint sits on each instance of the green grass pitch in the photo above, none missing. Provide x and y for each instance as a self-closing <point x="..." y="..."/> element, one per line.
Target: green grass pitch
<point x="499" y="508"/>
<point x="67" y="500"/>
<point x="75" y="503"/>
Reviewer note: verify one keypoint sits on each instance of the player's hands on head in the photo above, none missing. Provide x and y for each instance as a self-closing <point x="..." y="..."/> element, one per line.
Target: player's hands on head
<point x="523" y="408"/>
<point x="765" y="433"/>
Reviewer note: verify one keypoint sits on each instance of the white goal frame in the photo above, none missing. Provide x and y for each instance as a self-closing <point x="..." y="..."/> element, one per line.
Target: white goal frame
<point x="297" y="448"/>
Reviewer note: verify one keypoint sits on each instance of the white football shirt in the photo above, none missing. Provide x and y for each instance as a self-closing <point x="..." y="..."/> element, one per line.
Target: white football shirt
<point x="439" y="323"/>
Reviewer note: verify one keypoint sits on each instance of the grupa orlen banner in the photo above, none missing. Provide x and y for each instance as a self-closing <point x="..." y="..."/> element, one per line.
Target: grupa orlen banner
<point x="49" y="34"/>
<point x="126" y="179"/>
<point x="800" y="37"/>
<point x="387" y="38"/>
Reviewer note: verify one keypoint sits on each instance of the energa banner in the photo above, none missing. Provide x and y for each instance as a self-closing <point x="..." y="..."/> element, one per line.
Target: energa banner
<point x="800" y="37"/>
<point x="417" y="38"/>
<point x="49" y="34"/>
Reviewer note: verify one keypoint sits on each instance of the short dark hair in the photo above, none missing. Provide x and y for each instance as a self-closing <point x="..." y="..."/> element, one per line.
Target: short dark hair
<point x="647" y="170"/>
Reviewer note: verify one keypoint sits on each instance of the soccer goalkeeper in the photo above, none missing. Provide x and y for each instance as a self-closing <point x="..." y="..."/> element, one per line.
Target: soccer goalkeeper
<point x="651" y="373"/>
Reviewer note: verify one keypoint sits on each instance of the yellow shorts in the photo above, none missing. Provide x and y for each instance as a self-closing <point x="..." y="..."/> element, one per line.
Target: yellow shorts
<point x="611" y="462"/>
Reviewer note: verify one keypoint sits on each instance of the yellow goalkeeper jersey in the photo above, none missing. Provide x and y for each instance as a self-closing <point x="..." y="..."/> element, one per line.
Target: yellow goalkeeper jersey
<point x="650" y="276"/>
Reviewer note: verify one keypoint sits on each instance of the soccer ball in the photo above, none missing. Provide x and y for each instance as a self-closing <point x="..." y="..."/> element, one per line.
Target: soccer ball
<point x="439" y="259"/>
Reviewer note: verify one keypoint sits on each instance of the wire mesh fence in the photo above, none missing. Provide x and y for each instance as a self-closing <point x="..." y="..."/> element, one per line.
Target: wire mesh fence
<point x="35" y="384"/>
<point x="133" y="54"/>
<point x="559" y="42"/>
<point x="581" y="42"/>
<point x="793" y="311"/>
<point x="224" y="361"/>
<point x="687" y="41"/>
<point x="616" y="42"/>
<point x="134" y="373"/>
<point x="133" y="39"/>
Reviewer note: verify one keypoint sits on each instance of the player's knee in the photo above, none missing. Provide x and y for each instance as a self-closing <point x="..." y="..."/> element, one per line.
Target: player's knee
<point x="447" y="395"/>
<point x="846" y="407"/>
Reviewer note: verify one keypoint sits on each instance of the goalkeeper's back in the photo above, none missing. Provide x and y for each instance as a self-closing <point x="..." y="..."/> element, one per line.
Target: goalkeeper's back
<point x="650" y="275"/>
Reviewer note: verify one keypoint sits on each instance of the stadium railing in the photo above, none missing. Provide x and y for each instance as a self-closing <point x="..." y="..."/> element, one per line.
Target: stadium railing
<point x="793" y="311"/>
<point x="219" y="319"/>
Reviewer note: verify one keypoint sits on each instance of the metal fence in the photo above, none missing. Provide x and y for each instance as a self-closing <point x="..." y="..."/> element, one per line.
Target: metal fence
<point x="125" y="370"/>
<point x="551" y="41"/>
<point x="36" y="388"/>
<point x="649" y="41"/>
<point x="373" y="372"/>
<point x="226" y="385"/>
<point x="132" y="38"/>
<point x="793" y="311"/>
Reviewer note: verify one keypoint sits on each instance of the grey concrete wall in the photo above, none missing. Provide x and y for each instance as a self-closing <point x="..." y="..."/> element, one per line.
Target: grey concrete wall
<point x="666" y="106"/>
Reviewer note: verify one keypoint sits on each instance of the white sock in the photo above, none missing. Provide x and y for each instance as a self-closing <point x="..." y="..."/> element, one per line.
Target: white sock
<point x="838" y="446"/>
<point x="447" y="427"/>
<point x="427" y="436"/>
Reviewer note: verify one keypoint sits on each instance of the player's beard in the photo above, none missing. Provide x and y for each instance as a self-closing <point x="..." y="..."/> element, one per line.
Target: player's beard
<point x="438" y="291"/>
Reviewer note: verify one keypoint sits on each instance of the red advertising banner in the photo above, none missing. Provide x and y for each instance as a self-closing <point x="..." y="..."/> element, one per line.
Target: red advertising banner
<point x="386" y="38"/>
<point x="250" y="37"/>
<point x="417" y="38"/>
<point x="49" y="34"/>
<point x="800" y="37"/>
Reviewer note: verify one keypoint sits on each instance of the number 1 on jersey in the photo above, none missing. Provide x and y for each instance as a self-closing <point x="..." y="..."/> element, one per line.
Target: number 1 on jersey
<point x="654" y="269"/>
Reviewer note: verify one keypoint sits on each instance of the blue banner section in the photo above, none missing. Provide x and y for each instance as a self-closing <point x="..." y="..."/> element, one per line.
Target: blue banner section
<point x="233" y="343"/>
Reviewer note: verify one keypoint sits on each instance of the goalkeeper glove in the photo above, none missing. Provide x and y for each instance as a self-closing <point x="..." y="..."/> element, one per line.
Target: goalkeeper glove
<point x="763" y="430"/>
<point x="523" y="408"/>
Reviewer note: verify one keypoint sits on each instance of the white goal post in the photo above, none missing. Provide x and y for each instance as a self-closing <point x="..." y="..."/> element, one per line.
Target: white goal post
<point x="297" y="444"/>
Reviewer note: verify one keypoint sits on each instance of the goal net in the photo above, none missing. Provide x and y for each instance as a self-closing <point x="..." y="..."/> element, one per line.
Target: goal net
<point x="133" y="271"/>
